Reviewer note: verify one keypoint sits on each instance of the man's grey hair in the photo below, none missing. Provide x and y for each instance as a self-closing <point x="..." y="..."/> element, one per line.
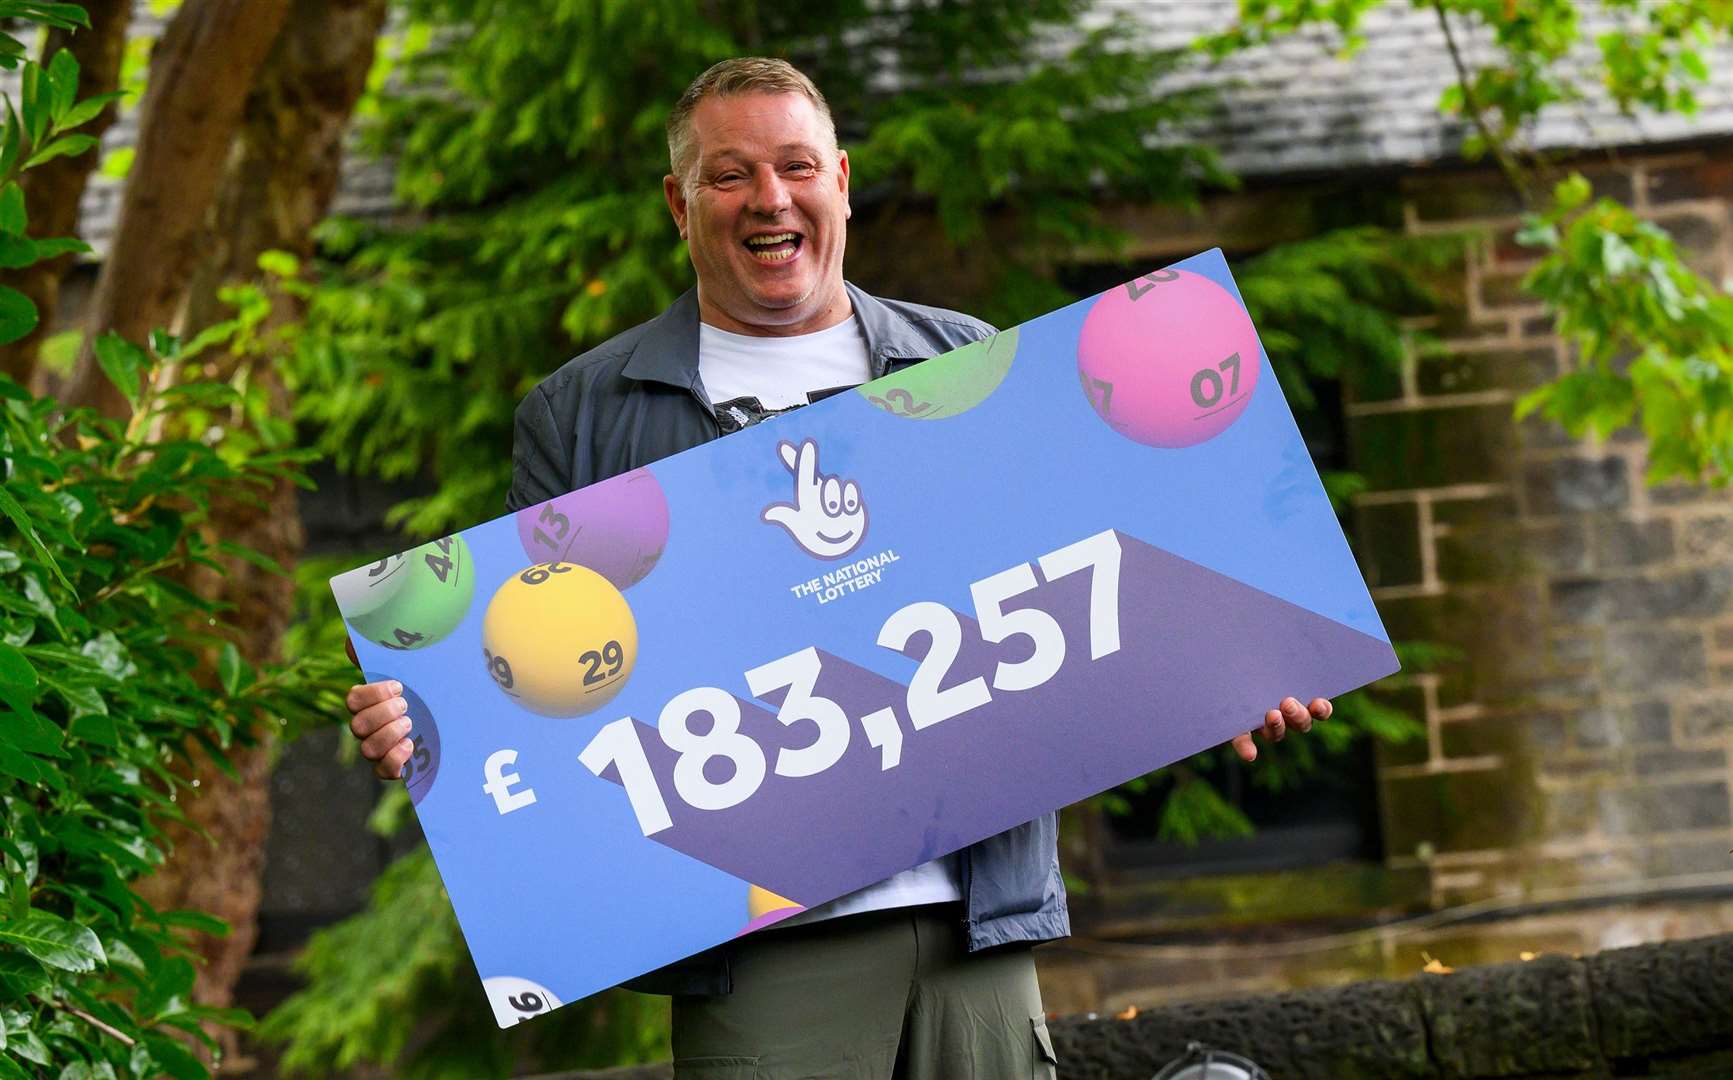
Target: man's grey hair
<point x="741" y="75"/>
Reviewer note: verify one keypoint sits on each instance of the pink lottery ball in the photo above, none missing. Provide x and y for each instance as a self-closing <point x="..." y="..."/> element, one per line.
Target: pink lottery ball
<point x="1168" y="360"/>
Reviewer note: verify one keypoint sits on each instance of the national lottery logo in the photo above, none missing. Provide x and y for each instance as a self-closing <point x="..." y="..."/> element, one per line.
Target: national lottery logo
<point x="828" y="517"/>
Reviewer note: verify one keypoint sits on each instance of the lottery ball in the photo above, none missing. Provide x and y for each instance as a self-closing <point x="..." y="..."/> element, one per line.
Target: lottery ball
<point x="946" y="385"/>
<point x="1169" y="360"/>
<point x="559" y="639"/>
<point x="515" y="1000"/>
<point x="617" y="528"/>
<point x="412" y="599"/>
<point x="764" y="907"/>
<point x="422" y="767"/>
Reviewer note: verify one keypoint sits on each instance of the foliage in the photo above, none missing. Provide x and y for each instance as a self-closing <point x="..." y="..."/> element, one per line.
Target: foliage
<point x="102" y="644"/>
<point x="530" y="135"/>
<point x="418" y="1005"/>
<point x="1613" y="284"/>
<point x="1654" y="342"/>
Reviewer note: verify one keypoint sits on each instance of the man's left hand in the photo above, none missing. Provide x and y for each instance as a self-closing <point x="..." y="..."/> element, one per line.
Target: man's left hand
<point x="1289" y="716"/>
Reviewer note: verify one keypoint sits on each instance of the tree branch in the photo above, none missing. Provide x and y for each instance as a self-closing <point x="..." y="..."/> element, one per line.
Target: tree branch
<point x="1501" y="153"/>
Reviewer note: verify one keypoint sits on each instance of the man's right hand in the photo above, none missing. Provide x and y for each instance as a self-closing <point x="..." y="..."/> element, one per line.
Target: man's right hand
<point x="381" y="723"/>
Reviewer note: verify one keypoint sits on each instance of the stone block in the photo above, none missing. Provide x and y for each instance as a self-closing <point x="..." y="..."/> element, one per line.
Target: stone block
<point x="1475" y="372"/>
<point x="1649" y="660"/>
<point x="1575" y="484"/>
<point x="1704" y="718"/>
<point x="1724" y="636"/>
<point x="1533" y="733"/>
<point x="1669" y="761"/>
<point x="1694" y="234"/>
<point x="1567" y="813"/>
<point x="1387" y="536"/>
<point x="1621" y="542"/>
<point x="1452" y="197"/>
<point x="1504" y="289"/>
<point x="1538" y="328"/>
<point x="1678" y="494"/>
<point x="1501" y="551"/>
<point x="1470" y="810"/>
<point x="1502" y="1021"/>
<point x="1701" y="593"/>
<point x="1643" y="723"/>
<point x="1693" y="857"/>
<point x="1665" y="998"/>
<point x="1707" y="536"/>
<point x="1475" y="511"/>
<point x="1431" y="447"/>
<point x="1659" y="808"/>
<point x="1709" y="179"/>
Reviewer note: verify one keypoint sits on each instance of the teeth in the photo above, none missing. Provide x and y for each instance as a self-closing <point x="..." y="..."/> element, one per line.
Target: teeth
<point x="774" y="239"/>
<point x="773" y="256"/>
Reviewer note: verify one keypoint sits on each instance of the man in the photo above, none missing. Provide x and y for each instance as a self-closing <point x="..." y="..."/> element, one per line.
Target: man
<point x="928" y="974"/>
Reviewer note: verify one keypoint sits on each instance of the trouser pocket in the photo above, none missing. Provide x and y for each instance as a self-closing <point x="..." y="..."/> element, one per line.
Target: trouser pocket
<point x="1044" y="1063"/>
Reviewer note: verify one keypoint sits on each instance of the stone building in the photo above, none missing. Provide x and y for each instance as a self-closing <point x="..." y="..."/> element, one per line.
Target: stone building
<point x="1572" y="789"/>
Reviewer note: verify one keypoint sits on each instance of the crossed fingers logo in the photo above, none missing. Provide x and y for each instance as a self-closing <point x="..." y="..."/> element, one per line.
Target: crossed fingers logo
<point x="828" y="517"/>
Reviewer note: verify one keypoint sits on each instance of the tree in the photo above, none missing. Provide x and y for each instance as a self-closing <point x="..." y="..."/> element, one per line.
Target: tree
<point x="277" y="184"/>
<point x="100" y="691"/>
<point x="54" y="190"/>
<point x="1654" y="339"/>
<point x="201" y="72"/>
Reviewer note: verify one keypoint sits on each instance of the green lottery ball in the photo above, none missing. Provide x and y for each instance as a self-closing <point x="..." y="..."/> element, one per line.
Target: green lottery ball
<point x="946" y="385"/>
<point x="410" y="600"/>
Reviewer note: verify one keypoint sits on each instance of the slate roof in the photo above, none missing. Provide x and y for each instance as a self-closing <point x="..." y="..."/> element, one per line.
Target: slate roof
<point x="1291" y="107"/>
<point x="1297" y="106"/>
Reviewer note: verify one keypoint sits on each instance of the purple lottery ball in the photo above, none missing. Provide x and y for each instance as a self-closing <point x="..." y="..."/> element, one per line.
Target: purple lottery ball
<point x="617" y="528"/>
<point x="422" y="768"/>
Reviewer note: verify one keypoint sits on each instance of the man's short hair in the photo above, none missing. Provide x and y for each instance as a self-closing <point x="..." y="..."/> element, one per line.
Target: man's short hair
<point x="741" y="75"/>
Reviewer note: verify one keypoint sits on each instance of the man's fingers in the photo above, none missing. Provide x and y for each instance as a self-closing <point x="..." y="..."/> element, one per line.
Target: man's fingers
<point x="1275" y="728"/>
<point x="1244" y="747"/>
<point x="1295" y="715"/>
<point x="360" y="697"/>
<point x="390" y="767"/>
<point x="377" y="745"/>
<point x="1321" y="708"/>
<point x="369" y="720"/>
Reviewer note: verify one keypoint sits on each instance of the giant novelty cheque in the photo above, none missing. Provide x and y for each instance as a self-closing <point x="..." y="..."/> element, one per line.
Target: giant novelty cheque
<point x="687" y="702"/>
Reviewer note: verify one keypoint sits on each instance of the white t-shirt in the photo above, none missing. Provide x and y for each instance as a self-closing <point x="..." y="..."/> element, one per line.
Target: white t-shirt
<point x="750" y="379"/>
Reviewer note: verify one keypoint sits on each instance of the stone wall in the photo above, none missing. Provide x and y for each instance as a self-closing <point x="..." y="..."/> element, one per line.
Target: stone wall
<point x="1578" y="755"/>
<point x="1585" y="739"/>
<point x="1651" y="1010"/>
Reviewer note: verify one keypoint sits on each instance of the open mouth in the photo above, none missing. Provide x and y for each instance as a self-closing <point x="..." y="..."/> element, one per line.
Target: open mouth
<point x="774" y="247"/>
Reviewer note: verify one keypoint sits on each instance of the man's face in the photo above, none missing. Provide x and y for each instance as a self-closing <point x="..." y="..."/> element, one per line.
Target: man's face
<point x="766" y="215"/>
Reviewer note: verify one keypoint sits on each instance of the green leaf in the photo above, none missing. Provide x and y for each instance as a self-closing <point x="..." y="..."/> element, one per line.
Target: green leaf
<point x="16" y="671"/>
<point x="124" y="363"/>
<point x="11" y="1070"/>
<point x="17" y="251"/>
<point x="175" y="1059"/>
<point x="11" y="140"/>
<point x="17" y="315"/>
<point x="88" y="109"/>
<point x="9" y="506"/>
<point x="229" y="668"/>
<point x="21" y="975"/>
<point x="65" y="146"/>
<point x="56" y="942"/>
<point x="117" y="163"/>
<point x="279" y="263"/>
<point x="32" y="733"/>
<point x="203" y="922"/>
<point x="63" y="78"/>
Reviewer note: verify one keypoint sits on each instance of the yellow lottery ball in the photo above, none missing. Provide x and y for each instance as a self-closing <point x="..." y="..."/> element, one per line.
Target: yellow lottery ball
<point x="559" y="639"/>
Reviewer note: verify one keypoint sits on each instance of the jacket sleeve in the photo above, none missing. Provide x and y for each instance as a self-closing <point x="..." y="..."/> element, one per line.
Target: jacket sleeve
<point x="539" y="461"/>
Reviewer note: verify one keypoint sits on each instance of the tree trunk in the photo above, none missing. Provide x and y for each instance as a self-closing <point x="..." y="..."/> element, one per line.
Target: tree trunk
<point x="279" y="183"/>
<point x="200" y="76"/>
<point x="54" y="189"/>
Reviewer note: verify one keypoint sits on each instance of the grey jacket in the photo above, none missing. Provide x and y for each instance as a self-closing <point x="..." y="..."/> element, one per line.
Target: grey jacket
<point x="637" y="398"/>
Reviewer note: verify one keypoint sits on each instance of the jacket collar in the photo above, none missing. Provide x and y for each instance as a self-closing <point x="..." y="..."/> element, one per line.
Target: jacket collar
<point x="668" y="351"/>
